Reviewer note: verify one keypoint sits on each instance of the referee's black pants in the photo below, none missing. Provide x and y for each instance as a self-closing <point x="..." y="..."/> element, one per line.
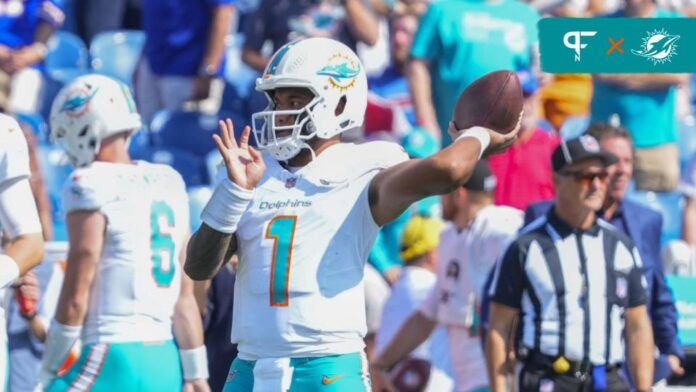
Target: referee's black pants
<point x="540" y="378"/>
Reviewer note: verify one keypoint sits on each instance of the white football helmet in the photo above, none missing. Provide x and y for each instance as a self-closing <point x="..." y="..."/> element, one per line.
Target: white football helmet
<point x="333" y="73"/>
<point x="86" y="111"/>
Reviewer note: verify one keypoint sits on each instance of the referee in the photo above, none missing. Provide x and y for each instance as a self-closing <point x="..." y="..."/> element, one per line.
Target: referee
<point x="577" y="283"/>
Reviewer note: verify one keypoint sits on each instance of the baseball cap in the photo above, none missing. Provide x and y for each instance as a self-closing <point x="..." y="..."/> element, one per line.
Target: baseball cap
<point x="482" y="178"/>
<point x="579" y="149"/>
<point x="421" y="235"/>
<point x="528" y="81"/>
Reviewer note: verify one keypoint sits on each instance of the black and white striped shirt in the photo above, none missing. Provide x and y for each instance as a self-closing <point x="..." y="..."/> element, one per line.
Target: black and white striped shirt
<point x="572" y="287"/>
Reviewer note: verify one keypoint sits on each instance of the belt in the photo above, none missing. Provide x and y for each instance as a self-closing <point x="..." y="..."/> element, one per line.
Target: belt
<point x="562" y="365"/>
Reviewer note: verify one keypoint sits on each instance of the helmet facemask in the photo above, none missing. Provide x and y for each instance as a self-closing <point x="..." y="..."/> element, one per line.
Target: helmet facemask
<point x="266" y="129"/>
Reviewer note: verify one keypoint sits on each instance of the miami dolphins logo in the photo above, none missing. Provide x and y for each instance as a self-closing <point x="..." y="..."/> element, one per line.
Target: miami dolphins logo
<point x="342" y="71"/>
<point x="77" y="102"/>
<point x="659" y="46"/>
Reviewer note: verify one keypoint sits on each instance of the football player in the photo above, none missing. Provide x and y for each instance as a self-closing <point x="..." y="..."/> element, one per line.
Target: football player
<point x="127" y="224"/>
<point x="19" y="218"/>
<point x="303" y="216"/>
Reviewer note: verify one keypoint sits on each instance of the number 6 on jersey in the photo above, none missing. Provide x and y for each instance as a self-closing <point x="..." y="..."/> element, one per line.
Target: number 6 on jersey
<point x="281" y="230"/>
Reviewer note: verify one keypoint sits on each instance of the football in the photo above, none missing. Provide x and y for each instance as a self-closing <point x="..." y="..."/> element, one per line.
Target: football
<point x="493" y="101"/>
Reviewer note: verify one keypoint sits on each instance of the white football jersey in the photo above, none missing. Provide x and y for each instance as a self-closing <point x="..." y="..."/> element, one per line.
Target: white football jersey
<point x="14" y="154"/>
<point x="302" y="244"/>
<point x="138" y="278"/>
<point x="14" y="164"/>
<point x="465" y="257"/>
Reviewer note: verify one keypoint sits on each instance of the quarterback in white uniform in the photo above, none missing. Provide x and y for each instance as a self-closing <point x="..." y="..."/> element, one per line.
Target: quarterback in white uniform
<point x="303" y="216"/>
<point x="18" y="218"/>
<point x="127" y="225"/>
<point x="470" y="244"/>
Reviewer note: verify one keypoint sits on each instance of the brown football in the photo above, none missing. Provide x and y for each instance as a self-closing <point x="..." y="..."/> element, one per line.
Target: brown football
<point x="493" y="101"/>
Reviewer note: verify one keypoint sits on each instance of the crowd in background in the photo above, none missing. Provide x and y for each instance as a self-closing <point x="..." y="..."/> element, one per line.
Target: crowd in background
<point x="191" y="62"/>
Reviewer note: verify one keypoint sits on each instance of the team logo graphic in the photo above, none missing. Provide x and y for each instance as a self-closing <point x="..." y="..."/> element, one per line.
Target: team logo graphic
<point x="589" y="143"/>
<point x="621" y="287"/>
<point x="78" y="102"/>
<point x="342" y="71"/>
<point x="573" y="40"/>
<point x="658" y="46"/>
<point x="290" y="182"/>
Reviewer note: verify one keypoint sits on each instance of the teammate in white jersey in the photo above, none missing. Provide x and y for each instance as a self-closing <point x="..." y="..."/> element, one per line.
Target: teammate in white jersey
<point x="127" y="225"/>
<point x="303" y="216"/>
<point x="18" y="218"/>
<point x="470" y="244"/>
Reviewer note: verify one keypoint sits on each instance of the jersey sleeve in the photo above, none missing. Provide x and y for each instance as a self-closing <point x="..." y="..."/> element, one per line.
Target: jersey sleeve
<point x="14" y="152"/>
<point x="637" y="284"/>
<point x="426" y="44"/>
<point x="429" y="305"/>
<point x="507" y="284"/>
<point x="85" y="190"/>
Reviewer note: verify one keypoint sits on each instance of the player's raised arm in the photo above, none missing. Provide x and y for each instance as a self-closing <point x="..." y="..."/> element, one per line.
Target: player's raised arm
<point x="214" y="242"/>
<point x="86" y="236"/>
<point x="488" y="113"/>
<point x="396" y="188"/>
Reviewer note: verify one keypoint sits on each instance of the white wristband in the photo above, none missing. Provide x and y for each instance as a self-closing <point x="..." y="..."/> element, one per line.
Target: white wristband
<point x="479" y="133"/>
<point x="59" y="340"/>
<point x="194" y="363"/>
<point x="225" y="207"/>
<point x="9" y="270"/>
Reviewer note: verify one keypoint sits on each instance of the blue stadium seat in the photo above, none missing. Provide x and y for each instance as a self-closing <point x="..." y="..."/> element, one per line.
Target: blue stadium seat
<point x="686" y="140"/>
<point x="55" y="169"/>
<point x="139" y="144"/>
<point x="198" y="197"/>
<point x="190" y="131"/>
<point x="190" y="167"/>
<point x="116" y="53"/>
<point x="66" y="51"/>
<point x="669" y="204"/>
<point x="574" y="126"/>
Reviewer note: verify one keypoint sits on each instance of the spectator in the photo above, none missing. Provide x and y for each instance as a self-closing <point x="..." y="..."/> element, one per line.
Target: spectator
<point x="25" y="27"/>
<point x="459" y="41"/>
<point x="577" y="283"/>
<point x="524" y="170"/>
<point x="183" y="56"/>
<point x="469" y="247"/>
<point x="419" y="251"/>
<point x="645" y="104"/>
<point x="281" y="21"/>
<point x="97" y="16"/>
<point x="643" y="226"/>
<point x="391" y="84"/>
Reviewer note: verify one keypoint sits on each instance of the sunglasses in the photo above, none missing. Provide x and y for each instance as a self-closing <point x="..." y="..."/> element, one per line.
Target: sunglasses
<point x="586" y="179"/>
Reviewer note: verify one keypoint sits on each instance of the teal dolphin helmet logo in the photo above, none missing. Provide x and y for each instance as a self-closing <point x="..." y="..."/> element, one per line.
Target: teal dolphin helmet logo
<point x="341" y="71"/>
<point x="78" y="102"/>
<point x="658" y="46"/>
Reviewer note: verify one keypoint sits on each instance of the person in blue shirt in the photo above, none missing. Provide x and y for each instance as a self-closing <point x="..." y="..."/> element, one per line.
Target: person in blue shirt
<point x="457" y="42"/>
<point x="281" y="21"/>
<point x="25" y="27"/>
<point x="183" y="56"/>
<point x="391" y="84"/>
<point x="643" y="226"/>
<point x="645" y="105"/>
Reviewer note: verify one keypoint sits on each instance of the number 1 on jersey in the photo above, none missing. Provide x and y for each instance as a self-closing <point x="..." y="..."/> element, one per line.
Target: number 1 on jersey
<point x="281" y="230"/>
